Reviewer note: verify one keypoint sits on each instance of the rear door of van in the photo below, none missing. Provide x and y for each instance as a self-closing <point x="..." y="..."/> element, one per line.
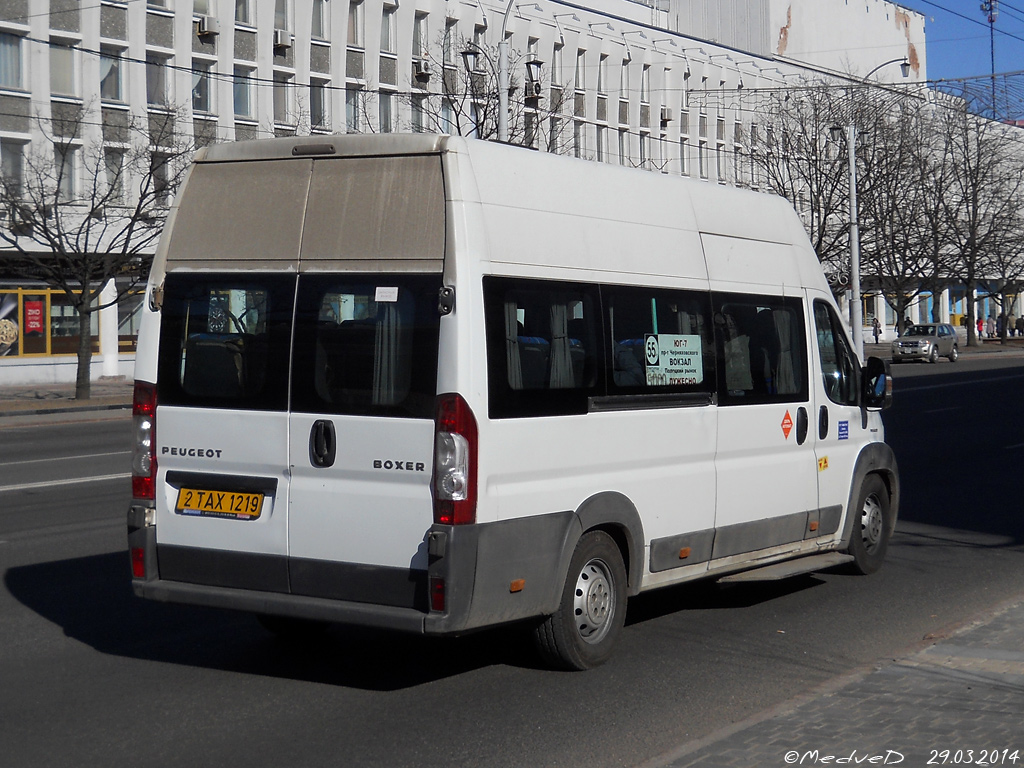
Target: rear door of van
<point x="222" y="429"/>
<point x="361" y="436"/>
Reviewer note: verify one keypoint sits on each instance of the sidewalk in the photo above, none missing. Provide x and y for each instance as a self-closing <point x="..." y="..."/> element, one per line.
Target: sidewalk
<point x="957" y="701"/>
<point x="40" y="399"/>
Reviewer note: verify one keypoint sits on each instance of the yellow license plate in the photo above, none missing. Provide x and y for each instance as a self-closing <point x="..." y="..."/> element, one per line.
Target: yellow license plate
<point x="240" y="506"/>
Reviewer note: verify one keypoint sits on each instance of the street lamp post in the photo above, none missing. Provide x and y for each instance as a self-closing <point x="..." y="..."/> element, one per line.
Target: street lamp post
<point x="501" y="69"/>
<point x="856" y="310"/>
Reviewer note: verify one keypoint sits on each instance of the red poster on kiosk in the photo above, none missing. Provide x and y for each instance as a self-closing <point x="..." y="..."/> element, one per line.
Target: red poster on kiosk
<point x="34" y="317"/>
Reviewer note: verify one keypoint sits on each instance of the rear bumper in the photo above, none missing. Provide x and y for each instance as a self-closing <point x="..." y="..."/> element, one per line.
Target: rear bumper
<point x="477" y="565"/>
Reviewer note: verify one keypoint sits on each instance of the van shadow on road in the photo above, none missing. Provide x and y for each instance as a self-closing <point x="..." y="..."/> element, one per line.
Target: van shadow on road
<point x="90" y="598"/>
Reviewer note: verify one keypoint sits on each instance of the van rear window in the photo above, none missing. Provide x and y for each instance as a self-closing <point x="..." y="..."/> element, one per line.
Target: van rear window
<point x="367" y="345"/>
<point x="224" y="341"/>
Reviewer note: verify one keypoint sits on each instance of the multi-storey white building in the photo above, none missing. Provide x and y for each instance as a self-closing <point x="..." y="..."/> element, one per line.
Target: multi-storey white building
<point x="671" y="86"/>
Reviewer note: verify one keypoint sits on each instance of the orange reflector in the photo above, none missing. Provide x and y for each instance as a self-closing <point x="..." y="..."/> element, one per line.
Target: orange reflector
<point x="814" y="525"/>
<point x="684" y="553"/>
<point x="517" y="585"/>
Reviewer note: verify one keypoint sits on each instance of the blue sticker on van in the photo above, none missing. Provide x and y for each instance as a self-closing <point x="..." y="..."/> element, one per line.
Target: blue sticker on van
<point x="844" y="430"/>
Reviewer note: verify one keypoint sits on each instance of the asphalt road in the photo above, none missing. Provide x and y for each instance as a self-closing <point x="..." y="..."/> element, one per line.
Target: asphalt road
<point x="90" y="675"/>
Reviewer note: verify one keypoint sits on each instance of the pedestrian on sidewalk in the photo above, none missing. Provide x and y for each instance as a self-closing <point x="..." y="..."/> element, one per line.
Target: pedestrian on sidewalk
<point x="876" y="328"/>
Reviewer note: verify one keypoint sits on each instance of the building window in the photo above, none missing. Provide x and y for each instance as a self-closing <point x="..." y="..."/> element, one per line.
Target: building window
<point x="385" y="112"/>
<point x="156" y="80"/>
<point x="602" y="144"/>
<point x="110" y="74"/>
<point x="320" y="23"/>
<point x="202" y="94"/>
<point x="12" y="166"/>
<point x="64" y="167"/>
<point x="243" y="12"/>
<point x="387" y="29"/>
<point x="352" y="121"/>
<point x="242" y="92"/>
<point x="578" y="138"/>
<point x="450" y="39"/>
<point x="282" y="97"/>
<point x="281" y="14"/>
<point x="556" y="65"/>
<point x="62" y="70"/>
<point x="355" y="25"/>
<point x="702" y="148"/>
<point x="624" y="81"/>
<point x="624" y="147"/>
<point x="645" y="85"/>
<point x="10" y="60"/>
<point x="684" y="142"/>
<point x="113" y="164"/>
<point x="318" y="105"/>
<point x="202" y="7"/>
<point x="159" y="175"/>
<point x="419" y="36"/>
<point x="580" y="78"/>
<point x="157" y="3"/>
<point x="645" y="150"/>
<point x="720" y="149"/>
<point x="419" y="114"/>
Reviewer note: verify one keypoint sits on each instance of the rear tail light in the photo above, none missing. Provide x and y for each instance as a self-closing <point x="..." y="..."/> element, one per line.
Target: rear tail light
<point x="144" y="452"/>
<point x="138" y="562"/>
<point x="455" y="451"/>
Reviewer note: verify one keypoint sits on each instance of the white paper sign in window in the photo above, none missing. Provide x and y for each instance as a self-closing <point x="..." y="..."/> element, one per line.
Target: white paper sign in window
<point x="673" y="359"/>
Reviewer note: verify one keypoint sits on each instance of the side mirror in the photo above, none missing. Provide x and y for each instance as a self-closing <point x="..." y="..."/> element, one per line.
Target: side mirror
<point x="876" y="384"/>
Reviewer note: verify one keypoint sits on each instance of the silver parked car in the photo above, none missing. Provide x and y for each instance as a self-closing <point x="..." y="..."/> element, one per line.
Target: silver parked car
<point x="928" y="341"/>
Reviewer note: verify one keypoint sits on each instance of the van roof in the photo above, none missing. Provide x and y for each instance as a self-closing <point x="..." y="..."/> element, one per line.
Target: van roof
<point x="350" y="145"/>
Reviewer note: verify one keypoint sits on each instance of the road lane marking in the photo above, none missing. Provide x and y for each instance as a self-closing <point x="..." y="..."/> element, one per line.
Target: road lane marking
<point x="69" y="481"/>
<point x="66" y="458"/>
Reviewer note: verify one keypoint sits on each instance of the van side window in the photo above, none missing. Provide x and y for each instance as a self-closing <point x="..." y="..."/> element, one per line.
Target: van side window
<point x="542" y="348"/>
<point x="660" y="341"/>
<point x="222" y="340"/>
<point x="838" y="364"/>
<point x="366" y="345"/>
<point x="762" y="346"/>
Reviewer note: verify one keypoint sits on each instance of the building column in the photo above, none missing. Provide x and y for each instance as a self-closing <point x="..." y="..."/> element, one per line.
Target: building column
<point x="108" y="330"/>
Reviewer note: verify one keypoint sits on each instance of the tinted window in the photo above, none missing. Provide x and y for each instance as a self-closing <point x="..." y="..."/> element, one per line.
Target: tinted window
<point x="838" y="366"/>
<point x="543" y="353"/>
<point x="659" y="341"/>
<point x="366" y="344"/>
<point x="762" y="346"/>
<point x="224" y="341"/>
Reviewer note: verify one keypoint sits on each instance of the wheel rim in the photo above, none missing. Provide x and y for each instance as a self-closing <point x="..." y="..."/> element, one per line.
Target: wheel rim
<point x="872" y="522"/>
<point x="594" y="601"/>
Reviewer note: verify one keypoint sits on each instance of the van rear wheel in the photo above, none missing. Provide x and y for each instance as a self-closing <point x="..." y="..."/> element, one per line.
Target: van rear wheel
<point x="872" y="528"/>
<point x="582" y="633"/>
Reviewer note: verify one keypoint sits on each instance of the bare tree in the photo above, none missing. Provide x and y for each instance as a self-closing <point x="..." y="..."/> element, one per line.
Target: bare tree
<point x="798" y="160"/>
<point x="982" y="204"/>
<point x="445" y="97"/>
<point x="83" y="214"/>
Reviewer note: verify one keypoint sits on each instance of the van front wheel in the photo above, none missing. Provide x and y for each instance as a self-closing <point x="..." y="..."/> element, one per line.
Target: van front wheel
<point x="872" y="527"/>
<point x="582" y="632"/>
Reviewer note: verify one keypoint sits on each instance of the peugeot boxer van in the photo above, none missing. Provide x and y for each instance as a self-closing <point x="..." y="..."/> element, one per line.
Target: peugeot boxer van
<point x="433" y="384"/>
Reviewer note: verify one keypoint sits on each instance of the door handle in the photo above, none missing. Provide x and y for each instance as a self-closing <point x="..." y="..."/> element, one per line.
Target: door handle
<point x="323" y="443"/>
<point x="801" y="425"/>
<point x="823" y="422"/>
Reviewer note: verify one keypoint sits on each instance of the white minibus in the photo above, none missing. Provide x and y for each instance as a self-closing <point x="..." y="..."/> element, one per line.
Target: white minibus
<point x="434" y="384"/>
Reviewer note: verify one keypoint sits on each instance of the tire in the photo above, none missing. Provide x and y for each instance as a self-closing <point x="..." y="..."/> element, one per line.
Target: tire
<point x="934" y="356"/>
<point x="873" y="527"/>
<point x="289" y="628"/>
<point x="582" y="633"/>
<point x="954" y="354"/>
